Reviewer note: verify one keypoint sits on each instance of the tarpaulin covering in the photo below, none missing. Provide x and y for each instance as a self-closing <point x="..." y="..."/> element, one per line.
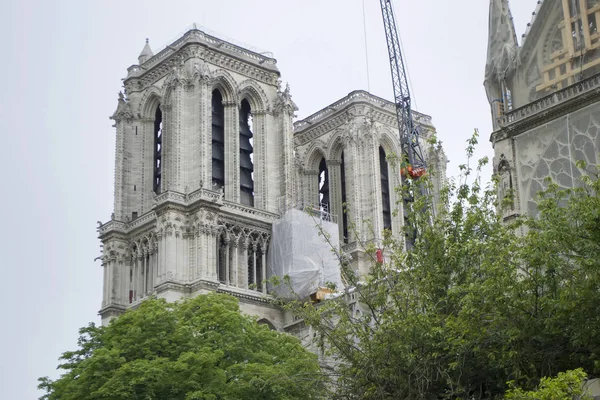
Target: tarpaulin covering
<point x="300" y="252"/>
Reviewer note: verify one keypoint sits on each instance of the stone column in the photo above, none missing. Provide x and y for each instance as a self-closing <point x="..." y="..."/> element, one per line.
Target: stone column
<point x="260" y="159"/>
<point x="212" y="251"/>
<point x="263" y="269"/>
<point x="236" y="263"/>
<point x="335" y="191"/>
<point x="376" y="206"/>
<point x="254" y="249"/>
<point x="232" y="151"/>
<point x="227" y="261"/>
<point x="138" y="283"/>
<point x="351" y="162"/>
<point x="198" y="245"/>
<point x="312" y="184"/>
<point x="122" y="266"/>
<point x="205" y="107"/>
<point x="244" y="264"/>
<point x="145" y="274"/>
<point x="105" y="283"/>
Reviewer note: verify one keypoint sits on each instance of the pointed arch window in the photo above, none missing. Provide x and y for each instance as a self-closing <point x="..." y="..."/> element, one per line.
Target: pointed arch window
<point x="246" y="155"/>
<point x="344" y="199"/>
<point x="385" y="189"/>
<point x="324" y="201"/>
<point x="218" y="141"/>
<point x="157" y="150"/>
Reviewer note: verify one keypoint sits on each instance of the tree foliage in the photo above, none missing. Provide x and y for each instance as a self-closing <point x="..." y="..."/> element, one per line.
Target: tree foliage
<point x="567" y="385"/>
<point x="475" y="303"/>
<point x="202" y="348"/>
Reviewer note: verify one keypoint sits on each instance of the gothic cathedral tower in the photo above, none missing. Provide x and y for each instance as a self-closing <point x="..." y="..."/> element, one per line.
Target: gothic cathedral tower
<point x="204" y="162"/>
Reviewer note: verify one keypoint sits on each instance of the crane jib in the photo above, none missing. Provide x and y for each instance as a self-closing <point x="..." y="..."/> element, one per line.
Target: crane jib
<point x="409" y="135"/>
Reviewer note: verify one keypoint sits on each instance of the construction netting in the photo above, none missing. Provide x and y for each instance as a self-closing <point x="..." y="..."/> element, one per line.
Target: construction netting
<point x="299" y="250"/>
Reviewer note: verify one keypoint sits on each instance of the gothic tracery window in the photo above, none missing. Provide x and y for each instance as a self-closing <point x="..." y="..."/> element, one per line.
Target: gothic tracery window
<point x="246" y="155"/>
<point x="157" y="150"/>
<point x="344" y="200"/>
<point x="218" y="141"/>
<point x="385" y="189"/>
<point x="323" y="186"/>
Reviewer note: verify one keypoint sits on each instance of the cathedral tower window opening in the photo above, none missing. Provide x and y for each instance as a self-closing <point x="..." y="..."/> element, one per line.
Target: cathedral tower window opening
<point x="256" y="267"/>
<point x="246" y="155"/>
<point x="385" y="189"/>
<point x="157" y="150"/>
<point x="218" y="141"/>
<point x="223" y="260"/>
<point x="324" y="199"/>
<point x="344" y="199"/>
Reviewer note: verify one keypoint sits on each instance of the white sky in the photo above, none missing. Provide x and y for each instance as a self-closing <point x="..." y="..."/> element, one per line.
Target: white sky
<point x="62" y="69"/>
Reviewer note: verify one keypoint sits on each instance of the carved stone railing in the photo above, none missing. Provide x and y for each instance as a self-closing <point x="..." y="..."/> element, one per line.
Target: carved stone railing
<point x="206" y="195"/>
<point x="170" y="196"/>
<point x="124" y="227"/>
<point x="354" y="97"/>
<point x="149" y="216"/>
<point x="112" y="226"/>
<point x="242" y="210"/>
<point x="197" y="36"/>
<point x="547" y="102"/>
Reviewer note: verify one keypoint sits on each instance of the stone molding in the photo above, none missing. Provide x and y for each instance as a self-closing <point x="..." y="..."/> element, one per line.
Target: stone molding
<point x="547" y="108"/>
<point x="384" y="111"/>
<point x="197" y="44"/>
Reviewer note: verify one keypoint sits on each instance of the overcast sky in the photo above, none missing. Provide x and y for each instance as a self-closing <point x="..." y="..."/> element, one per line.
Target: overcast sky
<point x="62" y="70"/>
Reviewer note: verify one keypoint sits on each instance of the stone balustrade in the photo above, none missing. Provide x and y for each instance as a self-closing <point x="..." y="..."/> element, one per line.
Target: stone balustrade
<point x="547" y="102"/>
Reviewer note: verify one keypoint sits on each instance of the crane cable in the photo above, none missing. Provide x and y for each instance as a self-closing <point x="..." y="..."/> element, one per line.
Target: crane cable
<point x="412" y="91"/>
<point x="366" y="46"/>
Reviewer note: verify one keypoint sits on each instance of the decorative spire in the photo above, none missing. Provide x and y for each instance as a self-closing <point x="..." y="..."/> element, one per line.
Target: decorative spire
<point x="146" y="53"/>
<point x="503" y="48"/>
<point x="502" y="41"/>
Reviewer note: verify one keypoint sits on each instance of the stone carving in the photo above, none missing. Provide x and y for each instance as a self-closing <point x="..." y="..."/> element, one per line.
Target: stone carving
<point x="200" y="70"/>
<point x="123" y="111"/>
<point x="284" y="102"/>
<point x="505" y="186"/>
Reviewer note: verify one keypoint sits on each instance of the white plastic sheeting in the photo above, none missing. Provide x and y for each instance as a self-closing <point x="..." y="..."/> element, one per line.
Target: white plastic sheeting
<point x="298" y="251"/>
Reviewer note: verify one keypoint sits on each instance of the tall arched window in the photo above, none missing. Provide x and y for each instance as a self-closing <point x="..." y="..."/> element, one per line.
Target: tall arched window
<point x="324" y="186"/>
<point x="218" y="141"/>
<point x="246" y="156"/>
<point x="385" y="190"/>
<point x="157" y="150"/>
<point x="344" y="214"/>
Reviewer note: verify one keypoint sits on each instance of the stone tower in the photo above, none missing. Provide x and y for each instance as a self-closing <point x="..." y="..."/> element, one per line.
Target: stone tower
<point x="204" y="161"/>
<point x="208" y="159"/>
<point x="544" y="97"/>
<point x="342" y="155"/>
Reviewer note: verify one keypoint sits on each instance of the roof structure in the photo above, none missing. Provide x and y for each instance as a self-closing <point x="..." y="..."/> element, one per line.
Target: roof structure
<point x="146" y="53"/>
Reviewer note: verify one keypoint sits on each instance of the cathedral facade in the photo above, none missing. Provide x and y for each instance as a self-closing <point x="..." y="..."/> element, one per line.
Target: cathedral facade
<point x="544" y="95"/>
<point x="208" y="156"/>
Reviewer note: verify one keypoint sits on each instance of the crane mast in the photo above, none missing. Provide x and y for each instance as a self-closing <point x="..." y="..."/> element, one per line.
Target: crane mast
<point x="409" y="132"/>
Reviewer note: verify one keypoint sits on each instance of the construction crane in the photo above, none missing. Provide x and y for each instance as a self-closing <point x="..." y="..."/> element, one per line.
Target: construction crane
<point x="414" y="163"/>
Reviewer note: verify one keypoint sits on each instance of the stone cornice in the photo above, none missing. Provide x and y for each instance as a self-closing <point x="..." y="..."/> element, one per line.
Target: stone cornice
<point x="112" y="310"/>
<point x="201" y="198"/>
<point x="547" y="108"/>
<point x="195" y="43"/>
<point x="248" y="296"/>
<point x="334" y="116"/>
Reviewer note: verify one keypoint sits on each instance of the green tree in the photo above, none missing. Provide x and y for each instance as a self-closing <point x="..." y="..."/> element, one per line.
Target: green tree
<point x="202" y="348"/>
<point x="567" y="385"/>
<point x="475" y="303"/>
